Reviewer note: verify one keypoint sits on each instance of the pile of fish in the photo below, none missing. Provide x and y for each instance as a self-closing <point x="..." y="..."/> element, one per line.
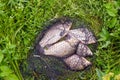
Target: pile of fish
<point x="69" y="44"/>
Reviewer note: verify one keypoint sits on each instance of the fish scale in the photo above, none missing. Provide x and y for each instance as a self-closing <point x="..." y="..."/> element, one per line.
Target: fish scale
<point x="83" y="50"/>
<point x="60" y="49"/>
<point x="77" y="63"/>
<point x="84" y="35"/>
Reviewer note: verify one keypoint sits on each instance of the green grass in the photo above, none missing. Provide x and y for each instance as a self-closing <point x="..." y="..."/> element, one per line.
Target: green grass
<point x="21" y="20"/>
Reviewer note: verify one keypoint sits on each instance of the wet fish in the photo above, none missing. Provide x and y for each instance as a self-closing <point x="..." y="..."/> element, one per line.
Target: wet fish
<point x="83" y="50"/>
<point x="55" y="33"/>
<point x="62" y="48"/>
<point x="84" y="35"/>
<point x="77" y="63"/>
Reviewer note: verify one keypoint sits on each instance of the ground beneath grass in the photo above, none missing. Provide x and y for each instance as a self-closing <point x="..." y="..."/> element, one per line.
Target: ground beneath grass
<point x="22" y="20"/>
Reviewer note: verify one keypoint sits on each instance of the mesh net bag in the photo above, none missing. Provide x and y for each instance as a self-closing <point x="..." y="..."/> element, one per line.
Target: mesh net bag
<point x="61" y="51"/>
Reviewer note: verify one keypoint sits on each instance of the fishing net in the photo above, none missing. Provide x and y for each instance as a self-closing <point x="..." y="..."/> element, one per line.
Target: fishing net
<point x="49" y="67"/>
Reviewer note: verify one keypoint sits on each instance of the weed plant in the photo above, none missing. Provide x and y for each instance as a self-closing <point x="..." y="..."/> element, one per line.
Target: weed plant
<point x="22" y="20"/>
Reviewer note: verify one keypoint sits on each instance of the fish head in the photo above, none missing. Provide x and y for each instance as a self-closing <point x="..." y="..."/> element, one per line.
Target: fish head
<point x="71" y="39"/>
<point x="67" y="25"/>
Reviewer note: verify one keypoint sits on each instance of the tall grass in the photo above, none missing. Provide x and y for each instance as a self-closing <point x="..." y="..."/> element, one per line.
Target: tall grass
<point x="21" y="20"/>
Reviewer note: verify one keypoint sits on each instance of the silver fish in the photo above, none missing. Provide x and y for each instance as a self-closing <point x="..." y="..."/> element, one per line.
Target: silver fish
<point x="77" y="63"/>
<point x="84" y="35"/>
<point x="62" y="48"/>
<point x="55" y="33"/>
<point x="83" y="50"/>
